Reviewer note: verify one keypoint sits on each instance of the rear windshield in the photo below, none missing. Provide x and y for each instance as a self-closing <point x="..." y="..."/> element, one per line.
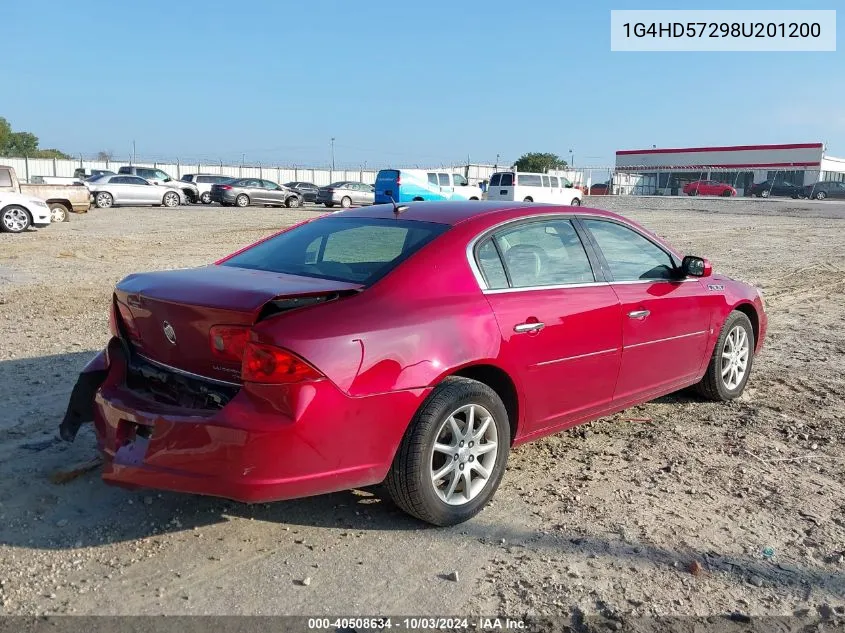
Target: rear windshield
<point x="388" y="174"/>
<point x="355" y="250"/>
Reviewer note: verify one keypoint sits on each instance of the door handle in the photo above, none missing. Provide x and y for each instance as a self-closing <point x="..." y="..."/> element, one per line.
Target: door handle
<point x="533" y="326"/>
<point x="639" y="314"/>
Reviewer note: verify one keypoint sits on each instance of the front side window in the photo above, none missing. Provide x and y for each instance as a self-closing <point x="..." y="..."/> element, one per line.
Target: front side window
<point x="543" y="253"/>
<point x="631" y="256"/>
<point x="460" y="181"/>
<point x="555" y="183"/>
<point x="160" y="175"/>
<point x="134" y="180"/>
<point x="149" y="174"/>
<point x="355" y="250"/>
<point x="507" y="180"/>
<point x="5" y="178"/>
<point x="272" y="186"/>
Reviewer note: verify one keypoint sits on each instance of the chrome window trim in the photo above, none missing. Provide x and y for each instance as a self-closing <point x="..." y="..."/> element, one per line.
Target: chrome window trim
<point x="189" y="374"/>
<point x="482" y="284"/>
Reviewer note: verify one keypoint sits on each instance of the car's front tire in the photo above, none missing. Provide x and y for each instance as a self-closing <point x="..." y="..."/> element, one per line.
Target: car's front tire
<point x="821" y="195"/>
<point x="453" y="455"/>
<point x="292" y="202"/>
<point x="205" y="198"/>
<point x="576" y="202"/>
<point x="170" y="199"/>
<point x="15" y="219"/>
<point x="59" y="212"/>
<point x="103" y="200"/>
<point x="730" y="365"/>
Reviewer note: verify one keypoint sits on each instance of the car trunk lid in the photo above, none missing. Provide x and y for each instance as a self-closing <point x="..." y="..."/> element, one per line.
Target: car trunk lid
<point x="171" y="313"/>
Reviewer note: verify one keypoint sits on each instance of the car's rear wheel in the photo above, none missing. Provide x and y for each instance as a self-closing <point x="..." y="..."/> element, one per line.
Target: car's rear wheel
<point x="205" y="198"/>
<point x="103" y="200"/>
<point x="731" y="362"/>
<point x="170" y="199"/>
<point x="242" y="200"/>
<point x="292" y="202"/>
<point x="765" y="193"/>
<point x="821" y="195"/>
<point x="59" y="212"/>
<point x="453" y="455"/>
<point x="576" y="202"/>
<point x="346" y="202"/>
<point x="14" y="219"/>
<point x="693" y="192"/>
<point x="528" y="199"/>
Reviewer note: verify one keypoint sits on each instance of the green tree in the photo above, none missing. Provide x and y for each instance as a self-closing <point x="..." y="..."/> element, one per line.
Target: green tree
<point x="51" y="153"/>
<point x="539" y="162"/>
<point x="5" y="133"/>
<point x="23" y="144"/>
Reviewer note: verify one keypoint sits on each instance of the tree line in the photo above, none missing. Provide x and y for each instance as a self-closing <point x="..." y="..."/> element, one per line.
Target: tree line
<point x="19" y="144"/>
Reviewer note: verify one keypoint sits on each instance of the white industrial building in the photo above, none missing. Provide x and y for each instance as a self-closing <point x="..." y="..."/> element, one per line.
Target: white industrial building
<point x="666" y="171"/>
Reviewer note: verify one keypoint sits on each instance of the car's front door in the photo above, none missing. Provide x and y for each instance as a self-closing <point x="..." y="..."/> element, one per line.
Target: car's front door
<point x="143" y="192"/>
<point x="665" y="317"/>
<point x="273" y="193"/>
<point x="561" y="331"/>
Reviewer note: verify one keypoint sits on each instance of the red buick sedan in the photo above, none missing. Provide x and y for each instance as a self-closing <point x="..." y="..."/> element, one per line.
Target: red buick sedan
<point x="709" y="188"/>
<point x="408" y="345"/>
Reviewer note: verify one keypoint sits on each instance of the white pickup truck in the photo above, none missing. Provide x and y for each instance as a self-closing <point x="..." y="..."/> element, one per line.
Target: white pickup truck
<point x="62" y="199"/>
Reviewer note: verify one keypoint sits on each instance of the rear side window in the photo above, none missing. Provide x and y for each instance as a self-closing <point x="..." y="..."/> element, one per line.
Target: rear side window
<point x="432" y="179"/>
<point x="507" y="180"/>
<point x="5" y="178"/>
<point x="495" y="180"/>
<point x="546" y="181"/>
<point x="491" y="265"/>
<point x="203" y="179"/>
<point x="355" y="250"/>
<point x="529" y="180"/>
<point x="444" y="180"/>
<point x="554" y="181"/>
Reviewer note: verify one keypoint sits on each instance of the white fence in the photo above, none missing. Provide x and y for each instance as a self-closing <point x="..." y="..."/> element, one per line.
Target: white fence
<point x="27" y="168"/>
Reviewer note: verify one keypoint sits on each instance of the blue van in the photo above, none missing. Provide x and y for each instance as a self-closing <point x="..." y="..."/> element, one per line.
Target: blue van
<point x="413" y="185"/>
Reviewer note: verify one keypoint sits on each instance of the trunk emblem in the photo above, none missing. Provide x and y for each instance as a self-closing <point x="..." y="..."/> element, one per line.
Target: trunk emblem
<point x="169" y="332"/>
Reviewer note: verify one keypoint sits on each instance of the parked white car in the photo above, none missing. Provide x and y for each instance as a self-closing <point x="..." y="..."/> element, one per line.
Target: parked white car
<point x="526" y="187"/>
<point x="125" y="189"/>
<point x="204" y="182"/>
<point x="18" y="212"/>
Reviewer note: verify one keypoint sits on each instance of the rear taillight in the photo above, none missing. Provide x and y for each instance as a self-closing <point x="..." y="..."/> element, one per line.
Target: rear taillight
<point x="273" y="365"/>
<point x="228" y="342"/>
<point x="225" y="187"/>
<point x="398" y="180"/>
<point x="128" y="322"/>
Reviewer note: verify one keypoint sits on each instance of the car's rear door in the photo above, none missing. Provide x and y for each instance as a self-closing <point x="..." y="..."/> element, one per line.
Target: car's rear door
<point x="560" y="327"/>
<point x="665" y="317"/>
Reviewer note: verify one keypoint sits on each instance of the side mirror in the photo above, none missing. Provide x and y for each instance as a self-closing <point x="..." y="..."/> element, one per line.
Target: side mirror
<point x="693" y="266"/>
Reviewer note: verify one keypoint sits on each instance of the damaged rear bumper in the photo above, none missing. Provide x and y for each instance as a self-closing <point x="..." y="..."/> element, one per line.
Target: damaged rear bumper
<point x="267" y="443"/>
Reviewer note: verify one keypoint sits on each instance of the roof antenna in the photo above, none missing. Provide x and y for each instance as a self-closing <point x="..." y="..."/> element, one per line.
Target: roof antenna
<point x="397" y="208"/>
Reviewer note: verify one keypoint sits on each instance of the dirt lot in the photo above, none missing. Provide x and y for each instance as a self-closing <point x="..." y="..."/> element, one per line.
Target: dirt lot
<point x="605" y="519"/>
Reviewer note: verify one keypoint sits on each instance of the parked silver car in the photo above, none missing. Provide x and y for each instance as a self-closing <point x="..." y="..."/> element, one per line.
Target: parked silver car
<point x="346" y="193"/>
<point x="203" y="183"/>
<point x="109" y="191"/>
<point x="158" y="177"/>
<point x="243" y="192"/>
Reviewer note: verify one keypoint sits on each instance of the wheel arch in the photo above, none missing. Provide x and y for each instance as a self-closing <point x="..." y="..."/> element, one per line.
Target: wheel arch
<point x="748" y="309"/>
<point x="20" y="206"/>
<point x="63" y="201"/>
<point x="499" y="381"/>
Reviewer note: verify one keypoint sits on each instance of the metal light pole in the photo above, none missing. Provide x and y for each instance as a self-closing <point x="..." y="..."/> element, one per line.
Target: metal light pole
<point x="571" y="158"/>
<point x="333" y="153"/>
<point x="497" y="162"/>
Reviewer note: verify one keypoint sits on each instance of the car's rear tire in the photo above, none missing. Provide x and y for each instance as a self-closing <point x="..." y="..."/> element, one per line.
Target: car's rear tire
<point x="242" y="200"/>
<point x="205" y="198"/>
<point x="14" y="219"/>
<point x="575" y="202"/>
<point x="765" y="193"/>
<point x="293" y="202"/>
<point x="418" y="199"/>
<point x="59" y="212"/>
<point x="103" y="200"/>
<point x="460" y="434"/>
<point x="693" y="192"/>
<point x="733" y="356"/>
<point x="170" y="199"/>
<point x="329" y="205"/>
<point x="346" y="202"/>
<point x="820" y="195"/>
<point x="528" y="199"/>
<point x="473" y="198"/>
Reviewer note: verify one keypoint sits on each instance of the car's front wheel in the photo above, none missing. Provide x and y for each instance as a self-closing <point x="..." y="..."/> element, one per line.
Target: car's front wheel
<point x="453" y="455"/>
<point x="292" y="202"/>
<point x="821" y="195"/>
<point x="576" y="202"/>
<point x="731" y="362"/>
<point x="103" y="200"/>
<point x="170" y="199"/>
<point x="14" y="219"/>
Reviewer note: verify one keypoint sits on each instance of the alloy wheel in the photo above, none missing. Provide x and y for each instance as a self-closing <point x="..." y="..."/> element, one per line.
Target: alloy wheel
<point x="463" y="457"/>
<point x="735" y="355"/>
<point x="15" y="220"/>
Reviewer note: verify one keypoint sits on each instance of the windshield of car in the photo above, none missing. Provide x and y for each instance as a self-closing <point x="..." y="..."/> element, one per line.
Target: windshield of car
<point x="354" y="250"/>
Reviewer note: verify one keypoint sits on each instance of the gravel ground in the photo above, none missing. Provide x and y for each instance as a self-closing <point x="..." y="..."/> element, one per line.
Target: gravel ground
<point x="676" y="507"/>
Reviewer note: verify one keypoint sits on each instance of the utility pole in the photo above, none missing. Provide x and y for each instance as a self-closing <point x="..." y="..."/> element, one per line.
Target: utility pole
<point x="497" y="162"/>
<point x="571" y="158"/>
<point x="243" y="159"/>
<point x="134" y="156"/>
<point x="333" y="153"/>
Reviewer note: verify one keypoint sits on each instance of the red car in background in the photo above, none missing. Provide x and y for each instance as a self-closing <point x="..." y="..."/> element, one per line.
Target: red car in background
<point x="709" y="188"/>
<point x="408" y="345"/>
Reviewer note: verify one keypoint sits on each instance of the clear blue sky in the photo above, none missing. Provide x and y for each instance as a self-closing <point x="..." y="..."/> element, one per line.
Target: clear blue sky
<point x="394" y="81"/>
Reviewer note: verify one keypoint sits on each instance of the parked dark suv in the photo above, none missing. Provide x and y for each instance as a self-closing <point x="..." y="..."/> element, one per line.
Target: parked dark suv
<point x="158" y="177"/>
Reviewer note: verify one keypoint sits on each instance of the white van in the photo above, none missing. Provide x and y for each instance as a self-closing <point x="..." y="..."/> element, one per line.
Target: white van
<point x="527" y="187"/>
<point x="412" y="185"/>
